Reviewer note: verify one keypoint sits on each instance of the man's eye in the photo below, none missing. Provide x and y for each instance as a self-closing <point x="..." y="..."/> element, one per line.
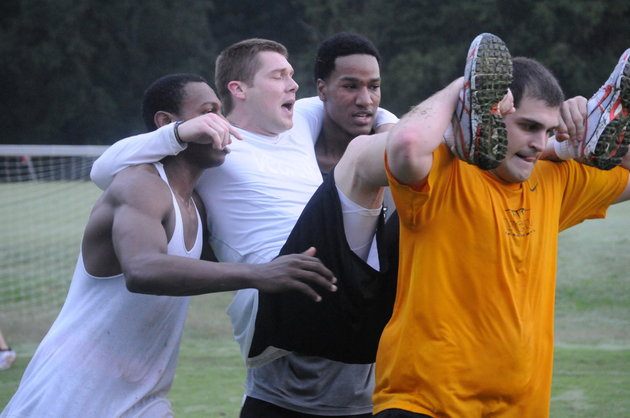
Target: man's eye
<point x="529" y="127"/>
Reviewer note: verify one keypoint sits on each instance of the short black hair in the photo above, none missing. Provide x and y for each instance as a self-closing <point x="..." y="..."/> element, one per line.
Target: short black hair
<point x="532" y="79"/>
<point x="340" y="45"/>
<point x="166" y="94"/>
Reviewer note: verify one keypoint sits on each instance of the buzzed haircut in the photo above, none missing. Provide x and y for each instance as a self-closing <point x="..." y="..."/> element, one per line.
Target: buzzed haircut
<point x="239" y="62"/>
<point x="166" y="94"/>
<point x="340" y="45"/>
<point x="534" y="80"/>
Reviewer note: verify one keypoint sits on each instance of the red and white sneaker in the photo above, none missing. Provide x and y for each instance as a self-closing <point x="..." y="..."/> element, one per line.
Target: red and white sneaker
<point x="606" y="139"/>
<point x="480" y="137"/>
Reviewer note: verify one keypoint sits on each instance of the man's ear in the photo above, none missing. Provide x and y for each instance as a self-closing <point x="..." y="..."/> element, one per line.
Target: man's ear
<point x="237" y="89"/>
<point x="162" y="118"/>
<point x="321" y="89"/>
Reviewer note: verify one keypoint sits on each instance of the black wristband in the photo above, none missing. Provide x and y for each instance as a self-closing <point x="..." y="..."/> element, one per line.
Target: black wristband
<point x="176" y="130"/>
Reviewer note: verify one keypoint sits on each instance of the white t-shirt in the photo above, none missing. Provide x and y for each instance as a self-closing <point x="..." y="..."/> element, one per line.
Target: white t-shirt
<point x="253" y="201"/>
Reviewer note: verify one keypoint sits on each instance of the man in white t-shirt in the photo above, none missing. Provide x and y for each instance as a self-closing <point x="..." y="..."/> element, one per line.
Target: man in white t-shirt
<point x="253" y="202"/>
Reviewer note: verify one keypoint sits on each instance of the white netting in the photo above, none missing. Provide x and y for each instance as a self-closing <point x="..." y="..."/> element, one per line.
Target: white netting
<point x="45" y="200"/>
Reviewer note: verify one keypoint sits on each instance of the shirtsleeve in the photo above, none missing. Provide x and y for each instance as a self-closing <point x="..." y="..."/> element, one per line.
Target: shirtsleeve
<point x="384" y="117"/>
<point x="145" y="148"/>
<point x="311" y="111"/>
<point x="589" y="192"/>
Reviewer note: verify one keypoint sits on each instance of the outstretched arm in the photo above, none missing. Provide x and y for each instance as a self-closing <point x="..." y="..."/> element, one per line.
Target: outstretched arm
<point x="153" y="146"/>
<point x="136" y="208"/>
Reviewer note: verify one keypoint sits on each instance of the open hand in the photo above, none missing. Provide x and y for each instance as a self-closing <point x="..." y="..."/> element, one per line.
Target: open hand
<point x="302" y="272"/>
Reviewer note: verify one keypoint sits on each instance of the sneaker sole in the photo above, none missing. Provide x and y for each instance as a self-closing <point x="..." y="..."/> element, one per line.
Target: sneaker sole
<point x="614" y="141"/>
<point x="492" y="78"/>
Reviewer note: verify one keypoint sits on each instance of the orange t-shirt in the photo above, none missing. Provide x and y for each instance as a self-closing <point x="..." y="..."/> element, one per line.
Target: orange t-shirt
<point x="472" y="329"/>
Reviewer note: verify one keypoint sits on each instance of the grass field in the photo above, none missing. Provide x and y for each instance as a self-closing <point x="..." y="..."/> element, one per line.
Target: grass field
<point x="592" y="356"/>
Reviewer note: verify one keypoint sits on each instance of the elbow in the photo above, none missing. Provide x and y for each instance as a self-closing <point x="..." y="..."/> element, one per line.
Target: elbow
<point x="138" y="278"/>
<point x="403" y="145"/>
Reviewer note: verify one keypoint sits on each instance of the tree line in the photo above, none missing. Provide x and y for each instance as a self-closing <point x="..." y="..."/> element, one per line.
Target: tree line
<point x="74" y="72"/>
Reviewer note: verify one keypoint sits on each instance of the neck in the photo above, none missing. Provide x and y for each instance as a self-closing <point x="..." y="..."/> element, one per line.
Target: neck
<point x="182" y="175"/>
<point x="242" y="121"/>
<point x="330" y="146"/>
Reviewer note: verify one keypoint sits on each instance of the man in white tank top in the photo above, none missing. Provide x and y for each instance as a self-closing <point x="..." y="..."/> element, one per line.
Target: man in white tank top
<point x="113" y="349"/>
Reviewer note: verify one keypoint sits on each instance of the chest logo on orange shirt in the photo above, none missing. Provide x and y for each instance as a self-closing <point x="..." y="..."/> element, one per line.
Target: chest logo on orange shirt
<point x="518" y="222"/>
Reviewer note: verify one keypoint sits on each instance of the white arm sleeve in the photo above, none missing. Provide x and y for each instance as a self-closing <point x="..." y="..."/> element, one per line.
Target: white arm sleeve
<point x="310" y="112"/>
<point x="140" y="149"/>
<point x="384" y="117"/>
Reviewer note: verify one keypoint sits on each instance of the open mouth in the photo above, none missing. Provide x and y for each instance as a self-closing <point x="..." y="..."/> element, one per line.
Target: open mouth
<point x="288" y="106"/>
<point x="362" y="117"/>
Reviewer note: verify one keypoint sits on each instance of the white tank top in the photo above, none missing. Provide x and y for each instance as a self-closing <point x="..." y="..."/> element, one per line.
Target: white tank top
<point x="110" y="352"/>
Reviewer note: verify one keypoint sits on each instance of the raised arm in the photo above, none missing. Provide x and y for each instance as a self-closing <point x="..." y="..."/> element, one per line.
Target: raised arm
<point x="572" y="129"/>
<point x="412" y="141"/>
<point x="140" y="149"/>
<point x="153" y="146"/>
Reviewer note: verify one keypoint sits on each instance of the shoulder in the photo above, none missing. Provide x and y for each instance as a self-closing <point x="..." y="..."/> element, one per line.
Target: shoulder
<point x="309" y="104"/>
<point x="142" y="187"/>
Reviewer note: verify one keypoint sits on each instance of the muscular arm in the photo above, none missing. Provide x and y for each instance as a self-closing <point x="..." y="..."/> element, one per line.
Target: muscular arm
<point x="139" y="205"/>
<point x="412" y="141"/>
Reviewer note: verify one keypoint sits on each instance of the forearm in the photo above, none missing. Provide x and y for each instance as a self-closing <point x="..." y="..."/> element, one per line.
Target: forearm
<point x="412" y="141"/>
<point x="140" y="149"/>
<point x="180" y="276"/>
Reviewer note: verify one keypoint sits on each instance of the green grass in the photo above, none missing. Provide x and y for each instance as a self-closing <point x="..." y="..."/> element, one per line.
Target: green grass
<point x="592" y="356"/>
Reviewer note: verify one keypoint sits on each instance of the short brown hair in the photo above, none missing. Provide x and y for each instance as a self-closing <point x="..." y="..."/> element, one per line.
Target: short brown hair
<point x="534" y="80"/>
<point x="240" y="62"/>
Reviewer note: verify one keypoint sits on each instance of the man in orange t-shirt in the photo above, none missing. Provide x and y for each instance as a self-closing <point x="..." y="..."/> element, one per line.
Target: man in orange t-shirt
<point x="471" y="333"/>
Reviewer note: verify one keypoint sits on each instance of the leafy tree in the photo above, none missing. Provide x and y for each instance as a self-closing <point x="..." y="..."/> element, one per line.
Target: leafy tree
<point x="76" y="72"/>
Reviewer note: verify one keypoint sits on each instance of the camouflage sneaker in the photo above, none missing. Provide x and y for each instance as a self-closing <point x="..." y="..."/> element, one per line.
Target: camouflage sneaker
<point x="480" y="135"/>
<point x="606" y="139"/>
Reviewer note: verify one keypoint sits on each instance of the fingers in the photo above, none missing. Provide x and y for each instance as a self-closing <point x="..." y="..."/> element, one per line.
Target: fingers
<point x="207" y="129"/>
<point x="572" y="124"/>
<point x="506" y="105"/>
<point x="562" y="131"/>
<point x="235" y="133"/>
<point x="310" y="252"/>
<point x="300" y="272"/>
<point x="308" y="291"/>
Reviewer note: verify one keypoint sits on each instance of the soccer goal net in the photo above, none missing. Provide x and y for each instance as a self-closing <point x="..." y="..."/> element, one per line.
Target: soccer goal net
<point x="45" y="200"/>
